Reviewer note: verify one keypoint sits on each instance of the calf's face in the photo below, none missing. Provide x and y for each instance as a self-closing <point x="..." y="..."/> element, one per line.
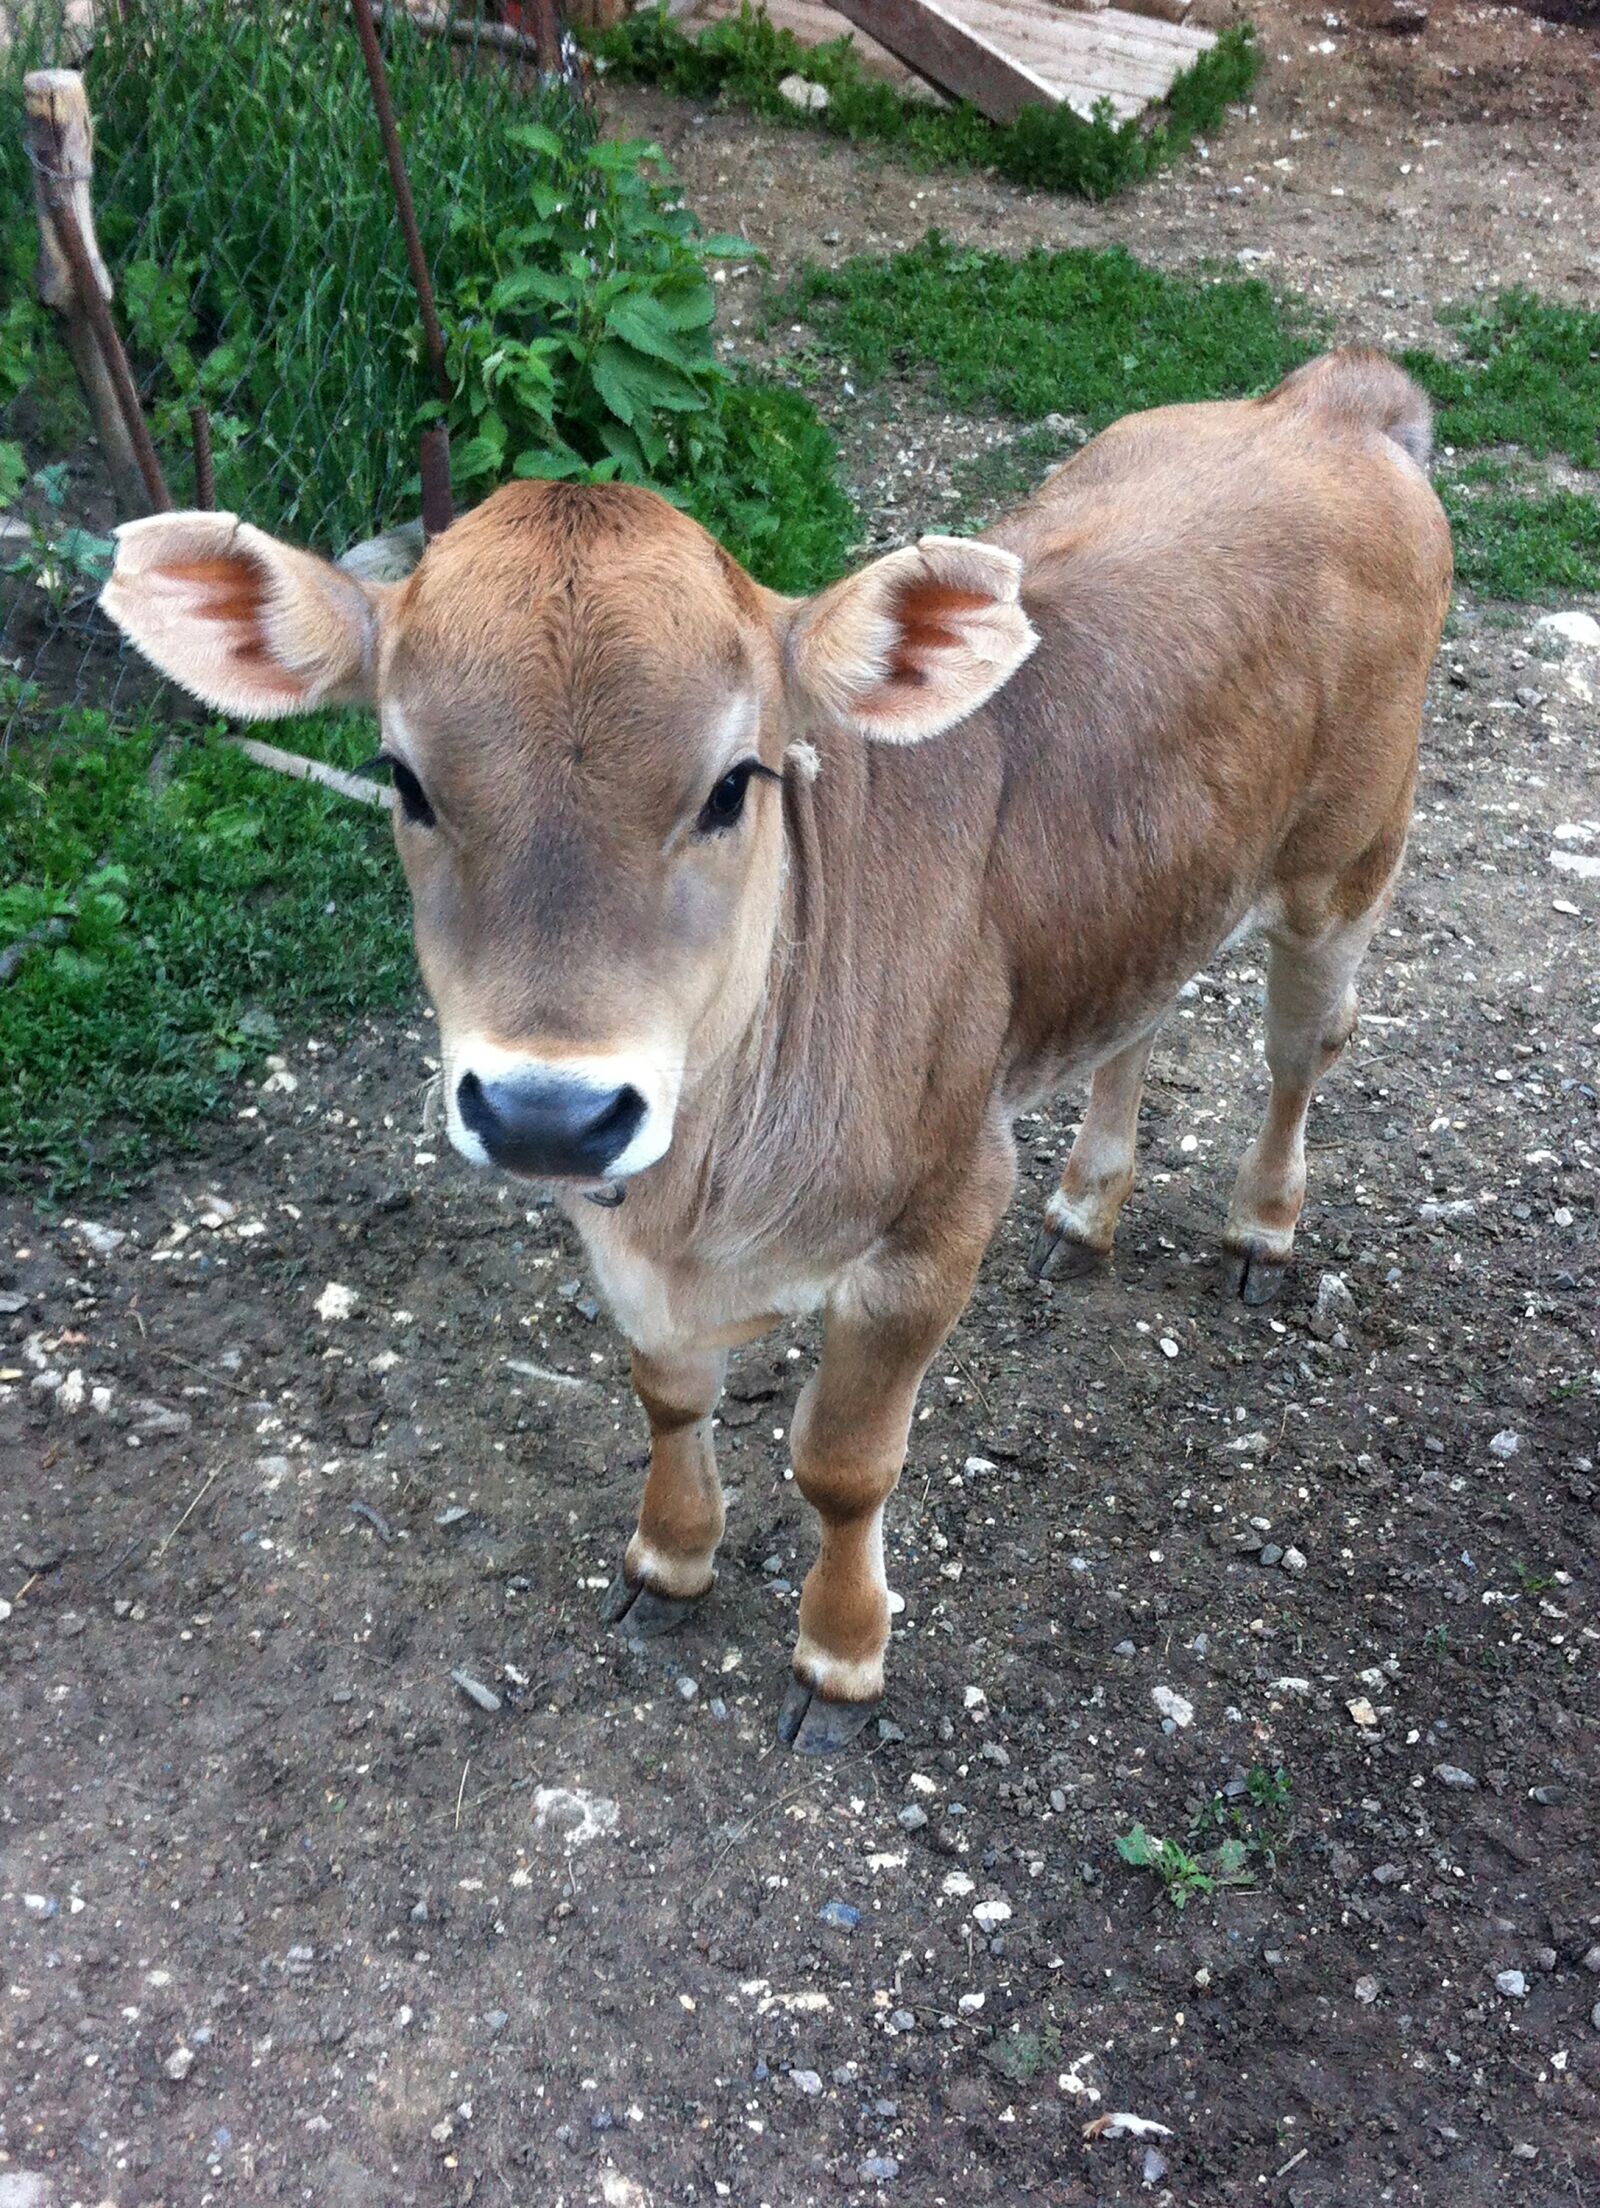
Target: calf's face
<point x="588" y="709"/>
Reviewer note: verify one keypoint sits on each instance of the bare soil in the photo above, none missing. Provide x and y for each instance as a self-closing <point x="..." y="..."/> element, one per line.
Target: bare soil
<point x="286" y="1915"/>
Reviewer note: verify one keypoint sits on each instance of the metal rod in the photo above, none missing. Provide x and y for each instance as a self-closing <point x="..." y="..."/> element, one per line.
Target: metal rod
<point x="438" y="507"/>
<point x="371" y="54"/>
<point x="58" y="194"/>
<point x="205" y="480"/>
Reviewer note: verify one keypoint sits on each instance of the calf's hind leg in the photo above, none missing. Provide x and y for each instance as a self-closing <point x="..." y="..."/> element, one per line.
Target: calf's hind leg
<point x="1311" y="1015"/>
<point x="1080" y="1219"/>
<point x="670" y="1562"/>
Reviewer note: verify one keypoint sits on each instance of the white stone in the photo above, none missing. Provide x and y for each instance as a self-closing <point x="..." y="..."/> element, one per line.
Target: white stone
<point x="579" y="1817"/>
<point x="337" y="1302"/>
<point x="1573" y="628"/>
<point x="1174" y="1705"/>
<point x="989" y="1915"/>
<point x="811" y="99"/>
<point x="1584" y="864"/>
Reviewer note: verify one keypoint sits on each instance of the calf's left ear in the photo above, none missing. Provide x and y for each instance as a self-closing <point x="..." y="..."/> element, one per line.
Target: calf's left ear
<point x="242" y="621"/>
<point x="916" y="641"/>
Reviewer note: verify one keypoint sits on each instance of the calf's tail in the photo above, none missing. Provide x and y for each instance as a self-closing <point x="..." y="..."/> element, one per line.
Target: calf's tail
<point x="1361" y="386"/>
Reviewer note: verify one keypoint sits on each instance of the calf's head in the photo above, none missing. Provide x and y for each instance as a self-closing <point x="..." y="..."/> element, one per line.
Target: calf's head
<point x="588" y="709"/>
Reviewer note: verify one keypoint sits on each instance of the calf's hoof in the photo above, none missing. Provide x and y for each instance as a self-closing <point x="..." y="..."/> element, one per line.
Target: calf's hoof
<point x="640" y="1613"/>
<point x="813" y="1727"/>
<point x="1252" y="1274"/>
<point x="1059" y="1255"/>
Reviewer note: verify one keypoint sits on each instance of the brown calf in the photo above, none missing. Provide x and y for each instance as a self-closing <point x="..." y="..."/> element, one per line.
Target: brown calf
<point x="768" y="916"/>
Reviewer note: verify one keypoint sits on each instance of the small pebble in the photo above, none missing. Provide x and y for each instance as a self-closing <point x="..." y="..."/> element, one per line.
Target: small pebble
<point x="1271" y="1553"/>
<point x="1173" y="1705"/>
<point x="806" y="2081"/>
<point x="476" y="1691"/>
<point x="879" y="2168"/>
<point x="844" y="1916"/>
<point x="912" y="1818"/>
<point x="1154" y="2167"/>
<point x="1294" y="1561"/>
<point x="1366" y="1990"/>
<point x="903" y="2020"/>
<point x="1124" y="1648"/>
<point x="179" y="2063"/>
<point x="495" y="2021"/>
<point x="688" y="1688"/>
<point x="1451" y="1774"/>
<point x="1512" y="1983"/>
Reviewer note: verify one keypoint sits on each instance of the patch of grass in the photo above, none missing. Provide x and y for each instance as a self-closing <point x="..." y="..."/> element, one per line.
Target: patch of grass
<point x="746" y="58"/>
<point x="1530" y="377"/>
<point x="1094" y="334"/>
<point x="1523" y="545"/>
<point x="178" y="918"/>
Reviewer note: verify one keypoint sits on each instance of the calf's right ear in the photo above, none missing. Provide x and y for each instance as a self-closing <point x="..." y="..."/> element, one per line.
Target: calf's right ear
<point x="243" y="622"/>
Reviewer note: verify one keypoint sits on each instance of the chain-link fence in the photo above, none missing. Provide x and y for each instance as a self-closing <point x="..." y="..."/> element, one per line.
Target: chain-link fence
<point x="245" y="215"/>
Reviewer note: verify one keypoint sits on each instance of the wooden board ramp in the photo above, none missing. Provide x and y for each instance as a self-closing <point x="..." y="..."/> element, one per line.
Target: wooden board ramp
<point x="1002" y="55"/>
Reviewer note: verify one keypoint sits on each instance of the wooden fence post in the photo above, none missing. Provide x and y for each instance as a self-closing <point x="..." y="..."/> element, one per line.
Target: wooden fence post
<point x="75" y="283"/>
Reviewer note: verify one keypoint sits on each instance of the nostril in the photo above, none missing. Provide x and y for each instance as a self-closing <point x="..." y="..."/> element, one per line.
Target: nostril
<point x="620" y="1117"/>
<point x="473" y="1106"/>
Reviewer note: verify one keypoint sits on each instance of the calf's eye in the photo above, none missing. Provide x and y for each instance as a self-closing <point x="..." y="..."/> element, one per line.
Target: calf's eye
<point x="726" y="802"/>
<point x="414" y="804"/>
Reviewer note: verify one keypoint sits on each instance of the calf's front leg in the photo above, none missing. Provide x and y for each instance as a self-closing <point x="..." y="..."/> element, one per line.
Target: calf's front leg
<point x="849" y="1439"/>
<point x="670" y="1562"/>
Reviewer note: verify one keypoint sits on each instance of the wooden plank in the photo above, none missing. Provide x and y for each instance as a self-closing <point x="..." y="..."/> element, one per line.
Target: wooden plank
<point x="929" y="38"/>
<point x="1061" y="64"/>
<point x="1022" y="51"/>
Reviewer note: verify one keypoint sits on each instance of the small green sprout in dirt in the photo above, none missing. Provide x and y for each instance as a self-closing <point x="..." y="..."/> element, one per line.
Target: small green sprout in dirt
<point x="1180" y="1874"/>
<point x="1531" y="1581"/>
<point x="747" y="57"/>
<point x="1239" y="1831"/>
<point x="1436" y="1643"/>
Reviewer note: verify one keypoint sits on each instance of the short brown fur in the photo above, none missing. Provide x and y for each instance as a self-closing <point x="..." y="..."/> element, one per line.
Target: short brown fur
<point x="1236" y="607"/>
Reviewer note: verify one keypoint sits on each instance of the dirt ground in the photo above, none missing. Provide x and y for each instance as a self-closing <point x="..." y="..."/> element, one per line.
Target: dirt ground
<point x="287" y="1915"/>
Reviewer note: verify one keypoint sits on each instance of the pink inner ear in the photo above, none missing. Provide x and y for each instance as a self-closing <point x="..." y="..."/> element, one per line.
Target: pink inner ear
<point x="925" y="613"/>
<point x="231" y="593"/>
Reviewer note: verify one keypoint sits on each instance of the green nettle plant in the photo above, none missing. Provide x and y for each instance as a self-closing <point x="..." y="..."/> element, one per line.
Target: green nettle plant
<point x="581" y="339"/>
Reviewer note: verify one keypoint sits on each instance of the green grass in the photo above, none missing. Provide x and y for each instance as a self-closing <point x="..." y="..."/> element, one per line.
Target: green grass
<point x="1527" y="546"/>
<point x="197" y="911"/>
<point x="746" y="58"/>
<point x="1529" y="376"/>
<point x="1080" y="332"/>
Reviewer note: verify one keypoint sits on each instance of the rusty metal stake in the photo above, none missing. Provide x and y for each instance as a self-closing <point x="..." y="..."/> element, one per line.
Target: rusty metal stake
<point x="371" y="54"/>
<point x="438" y="507"/>
<point x="205" y="479"/>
